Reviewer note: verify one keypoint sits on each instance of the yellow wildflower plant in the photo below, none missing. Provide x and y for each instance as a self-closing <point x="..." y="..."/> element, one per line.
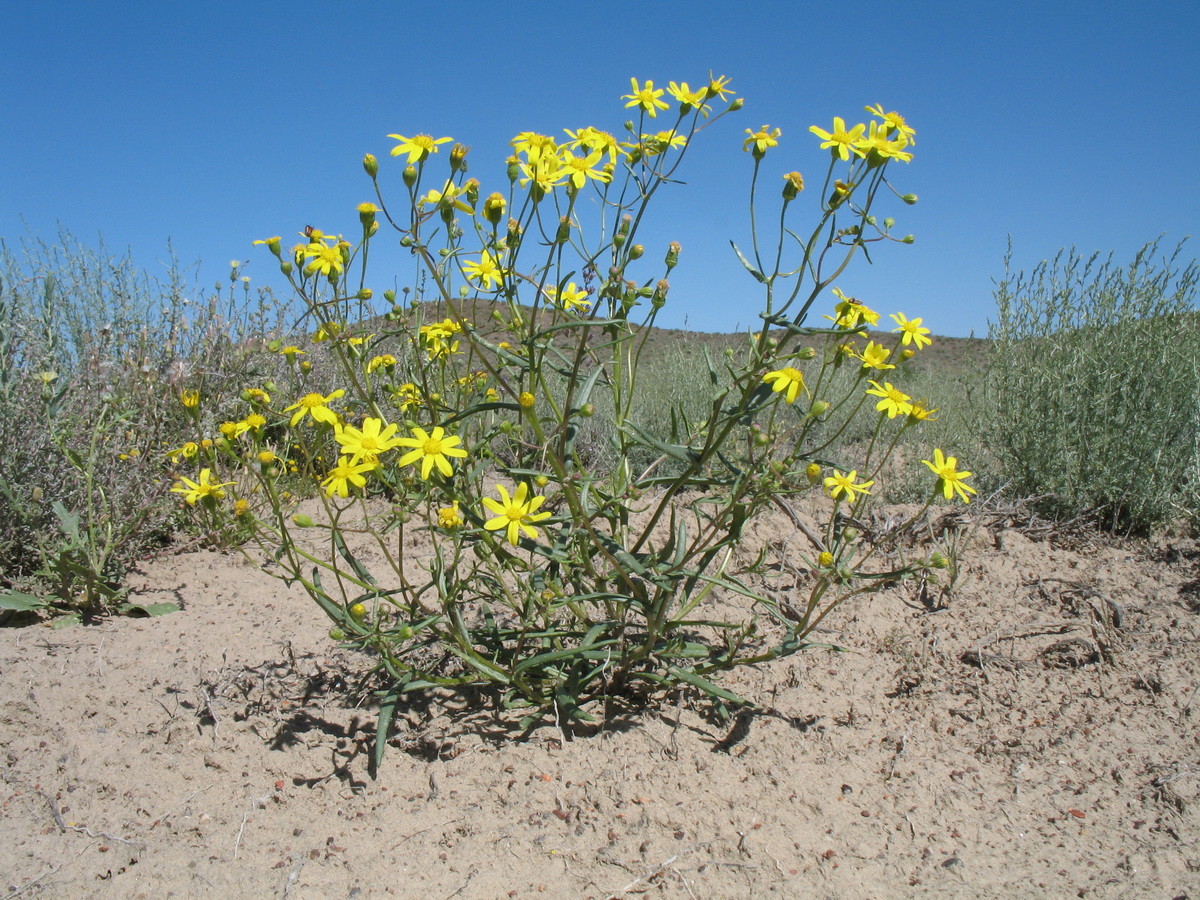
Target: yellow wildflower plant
<point x="430" y="449"/>
<point x="316" y="406"/>
<point x="950" y="480"/>
<point x="203" y="488"/>
<point x="418" y="147"/>
<point x="368" y="443"/>
<point x="646" y="98"/>
<point x="515" y="515"/>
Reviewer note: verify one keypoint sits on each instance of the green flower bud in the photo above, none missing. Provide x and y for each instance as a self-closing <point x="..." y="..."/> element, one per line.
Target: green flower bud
<point x="371" y="165"/>
<point x="938" y="560"/>
<point x="410" y="175"/>
<point x="908" y="239"/>
<point x="636" y="251"/>
<point x="337" y="634"/>
<point x="673" y="250"/>
<point x="493" y="208"/>
<point x="302" y="521"/>
<point x="458" y="157"/>
<point x="910" y="199"/>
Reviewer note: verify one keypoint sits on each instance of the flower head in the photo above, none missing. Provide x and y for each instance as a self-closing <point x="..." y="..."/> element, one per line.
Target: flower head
<point x="911" y="331"/>
<point x="646" y="97"/>
<point x="950" y="480"/>
<point x="418" y="147"/>
<point x="849" y="312"/>
<point x="894" y="121"/>
<point x="449" y="517"/>
<point x="841" y="141"/>
<point x="190" y="399"/>
<point x="895" y="402"/>
<point x="325" y="258"/>
<point x="516" y="514"/>
<point x="487" y="271"/>
<point x="786" y="379"/>
<point x="201" y="489"/>
<point x="344" y="474"/>
<point x="571" y="297"/>
<point x="315" y="406"/>
<point x="761" y="140"/>
<point x="366" y="444"/>
<point x="874" y="356"/>
<point x="431" y="449"/>
<point x="688" y="98"/>
<point x="576" y="170"/>
<point x="841" y="484"/>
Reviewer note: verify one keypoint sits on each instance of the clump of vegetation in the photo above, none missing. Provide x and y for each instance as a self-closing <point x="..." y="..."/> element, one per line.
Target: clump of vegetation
<point x="1093" y="372"/>
<point x="93" y="358"/>
<point x="572" y="563"/>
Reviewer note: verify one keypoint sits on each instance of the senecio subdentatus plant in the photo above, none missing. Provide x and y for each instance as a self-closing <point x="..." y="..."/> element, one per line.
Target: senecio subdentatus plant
<point x="451" y="435"/>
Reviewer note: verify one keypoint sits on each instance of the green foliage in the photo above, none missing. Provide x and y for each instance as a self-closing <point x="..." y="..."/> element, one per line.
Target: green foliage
<point x="1093" y="370"/>
<point x="517" y="488"/>
<point x="93" y="355"/>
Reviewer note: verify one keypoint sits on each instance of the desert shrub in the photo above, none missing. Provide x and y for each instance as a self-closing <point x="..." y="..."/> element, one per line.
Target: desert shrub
<point x="95" y="359"/>
<point x="1094" y="371"/>
<point x="573" y="561"/>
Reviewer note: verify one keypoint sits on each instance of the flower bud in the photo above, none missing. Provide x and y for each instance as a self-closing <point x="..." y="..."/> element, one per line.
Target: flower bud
<point x="540" y="481"/>
<point x="285" y="267"/>
<point x="841" y="190"/>
<point x="336" y="634"/>
<point x="910" y="199"/>
<point x="305" y="366"/>
<point x="389" y="295"/>
<point x="366" y="213"/>
<point x="358" y="612"/>
<point x="737" y="104"/>
<point x="527" y="400"/>
<point x="636" y="251"/>
<point x="908" y="239"/>
<point x="587" y="410"/>
<point x="493" y="208"/>
<point x="806" y="353"/>
<point x="660" y="293"/>
<point x="825" y="559"/>
<point x="410" y="175"/>
<point x="672" y="259"/>
<point x="813" y="472"/>
<point x="514" y="168"/>
<point x="564" y="230"/>
<point x="818" y="408"/>
<point x="850" y="535"/>
<point x="302" y="521"/>
<point x="888" y="222"/>
<point x="458" y="157"/>
<point x="761" y="439"/>
<point x="371" y="165"/>
<point x="364" y="294"/>
<point x="938" y="560"/>
<point x="793" y="184"/>
<point x="907" y="353"/>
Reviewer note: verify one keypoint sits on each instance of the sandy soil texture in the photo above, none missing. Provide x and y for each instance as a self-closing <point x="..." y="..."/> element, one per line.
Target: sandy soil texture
<point x="1037" y="738"/>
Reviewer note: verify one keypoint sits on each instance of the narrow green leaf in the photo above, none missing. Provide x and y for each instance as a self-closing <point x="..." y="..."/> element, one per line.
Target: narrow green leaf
<point x="758" y="276"/>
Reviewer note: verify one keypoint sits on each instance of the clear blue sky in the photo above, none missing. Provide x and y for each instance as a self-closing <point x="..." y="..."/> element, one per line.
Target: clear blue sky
<point x="216" y="123"/>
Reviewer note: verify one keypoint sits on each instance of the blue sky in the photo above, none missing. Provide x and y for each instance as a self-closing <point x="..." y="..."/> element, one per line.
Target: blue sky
<point x="212" y="124"/>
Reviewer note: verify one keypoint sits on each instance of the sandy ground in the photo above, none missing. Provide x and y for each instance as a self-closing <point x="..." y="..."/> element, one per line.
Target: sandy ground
<point x="1038" y="738"/>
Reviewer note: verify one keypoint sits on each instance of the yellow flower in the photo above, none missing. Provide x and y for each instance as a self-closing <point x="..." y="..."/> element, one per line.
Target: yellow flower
<point x="228" y="429"/>
<point x="534" y="146"/>
<point x="881" y="146"/>
<point x="316" y="406"/>
<point x="874" y="356"/>
<point x="717" y="86"/>
<point x="841" y="141"/>
<point x="449" y="517"/>
<point x="252" y="422"/>
<point x="911" y="331"/>
<point x="849" y="312"/>
<point x="291" y="351"/>
<point x="431" y="449"/>
<point x="571" y="297"/>
<point x="344" y="474"/>
<point x="840" y="485"/>
<point x="894" y="121"/>
<point x="409" y="395"/>
<point x="190" y="399"/>
<point x="786" y="379"/>
<point x="446" y="198"/>
<point x="384" y="360"/>
<point x="645" y="97"/>
<point x="200" y="489"/>
<point x="187" y="451"/>
<point x="761" y="140"/>
<point x="950" y="480"/>
<point x="327" y="332"/>
<point x="366" y="444"/>
<point x="256" y="395"/>
<point x="516" y="514"/>
<point x="576" y="170"/>
<point x="324" y="258"/>
<point x="241" y="506"/>
<point x="487" y="271"/>
<point x="921" y="412"/>
<point x="527" y="400"/>
<point x="593" y="139"/>
<point x="418" y="147"/>
<point x="654" y="144"/>
<point x="688" y="98"/>
<point x="895" y="402"/>
<point x="266" y="457"/>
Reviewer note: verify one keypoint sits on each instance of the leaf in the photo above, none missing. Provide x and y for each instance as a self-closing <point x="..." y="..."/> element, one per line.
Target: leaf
<point x="149" y="609"/>
<point x="384" y="724"/>
<point x="17" y="601"/>
<point x="758" y="276"/>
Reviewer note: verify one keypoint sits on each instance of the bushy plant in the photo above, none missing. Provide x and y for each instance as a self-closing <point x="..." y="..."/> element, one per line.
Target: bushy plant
<point x="1094" y="373"/>
<point x="95" y="359"/>
<point x="558" y="571"/>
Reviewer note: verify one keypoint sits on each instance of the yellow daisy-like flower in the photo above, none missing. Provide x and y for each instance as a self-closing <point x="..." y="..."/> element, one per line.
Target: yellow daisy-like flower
<point x="576" y="170"/>
<point x="646" y="97"/>
<point x="593" y="139"/>
<point x="841" y="484"/>
<point x="841" y="141"/>
<point x="894" y="121"/>
<point x="762" y="140"/>
<point x="447" y="197"/>
<point x="345" y="474"/>
<point x="688" y="98"/>
<point x="571" y="298"/>
<point x="718" y="86"/>
<point x="256" y="395"/>
<point x="252" y="422"/>
<point x="849" y="312"/>
<point x="911" y="331"/>
<point x="369" y="442"/>
<point x="895" y="402"/>
<point x="324" y="258"/>
<point x="874" y="356"/>
<point x="921" y="412"/>
<point x="291" y="351"/>
<point x="879" y="143"/>
<point x="383" y="361"/>
<point x="787" y="379"/>
<point x="534" y="146"/>
<point x="200" y="489"/>
<point x="950" y="480"/>
<point x="487" y="271"/>
<point x="315" y="406"/>
<point x="187" y="451"/>
<point x="417" y="147"/>
<point x="190" y="399"/>
<point x="515" y="515"/>
<point x="432" y="449"/>
<point x="449" y="517"/>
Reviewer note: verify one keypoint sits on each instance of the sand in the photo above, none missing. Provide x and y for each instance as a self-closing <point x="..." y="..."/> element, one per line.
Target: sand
<point x="1037" y="738"/>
